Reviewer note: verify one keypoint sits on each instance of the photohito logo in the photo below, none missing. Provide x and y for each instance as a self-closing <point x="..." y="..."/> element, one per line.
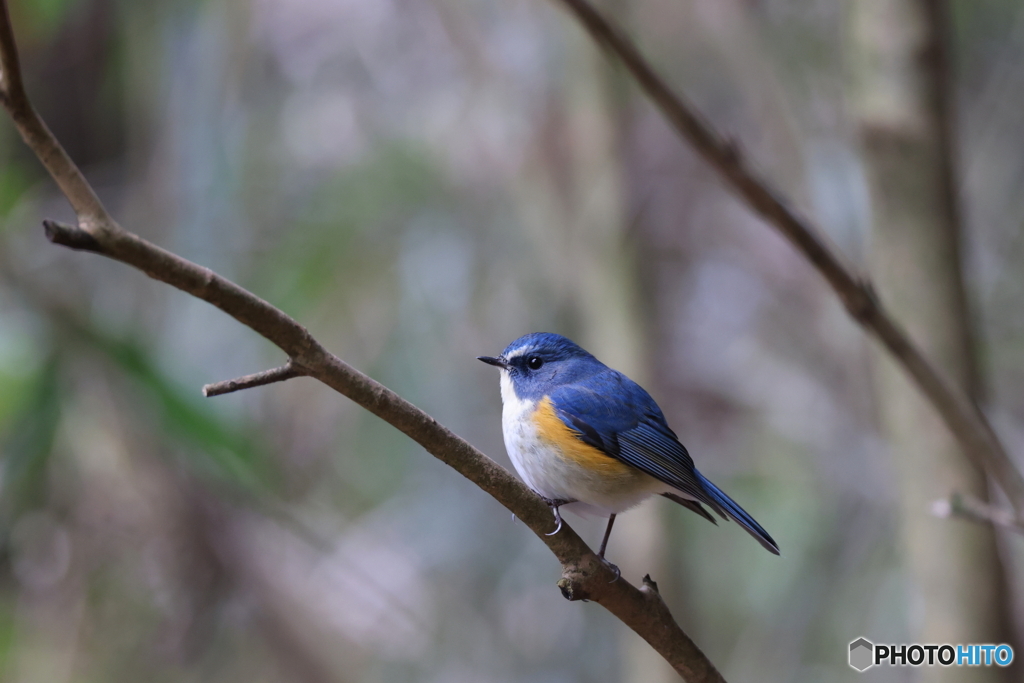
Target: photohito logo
<point x="864" y="654"/>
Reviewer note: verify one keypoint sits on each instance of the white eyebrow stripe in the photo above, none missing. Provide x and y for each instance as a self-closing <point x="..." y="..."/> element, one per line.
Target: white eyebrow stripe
<point x="515" y="354"/>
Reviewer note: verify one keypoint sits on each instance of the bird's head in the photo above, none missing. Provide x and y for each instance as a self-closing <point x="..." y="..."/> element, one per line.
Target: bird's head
<point x="538" y="362"/>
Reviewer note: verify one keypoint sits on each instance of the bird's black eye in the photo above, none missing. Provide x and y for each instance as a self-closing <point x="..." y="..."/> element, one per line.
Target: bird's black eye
<point x="534" y="362"/>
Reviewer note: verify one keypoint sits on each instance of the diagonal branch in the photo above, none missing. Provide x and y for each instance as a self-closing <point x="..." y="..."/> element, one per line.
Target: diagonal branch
<point x="963" y="417"/>
<point x="584" y="575"/>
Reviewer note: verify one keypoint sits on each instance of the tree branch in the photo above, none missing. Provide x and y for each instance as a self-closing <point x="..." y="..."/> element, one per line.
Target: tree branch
<point x="963" y="417"/>
<point x="969" y="508"/>
<point x="287" y="371"/>
<point x="586" y="575"/>
<point x="38" y="137"/>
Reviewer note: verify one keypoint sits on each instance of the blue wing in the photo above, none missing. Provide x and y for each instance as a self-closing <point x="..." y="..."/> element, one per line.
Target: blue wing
<point x="613" y="413"/>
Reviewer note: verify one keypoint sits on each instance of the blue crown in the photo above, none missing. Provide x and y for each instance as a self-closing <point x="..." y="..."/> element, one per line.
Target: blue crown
<point x="554" y="346"/>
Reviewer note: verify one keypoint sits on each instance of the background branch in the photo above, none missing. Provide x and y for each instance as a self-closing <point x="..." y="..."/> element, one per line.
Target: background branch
<point x="963" y="417"/>
<point x="967" y="507"/>
<point x="584" y="576"/>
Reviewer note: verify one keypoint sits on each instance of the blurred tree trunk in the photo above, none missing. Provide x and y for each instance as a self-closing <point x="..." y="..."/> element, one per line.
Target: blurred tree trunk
<point x="903" y="116"/>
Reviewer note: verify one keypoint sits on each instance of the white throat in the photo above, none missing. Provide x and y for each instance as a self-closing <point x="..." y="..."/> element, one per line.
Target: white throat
<point x="508" y="392"/>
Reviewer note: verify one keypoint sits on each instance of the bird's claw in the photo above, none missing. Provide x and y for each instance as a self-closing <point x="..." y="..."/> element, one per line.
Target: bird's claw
<point x="558" y="527"/>
<point x="615" y="570"/>
<point x="554" y="505"/>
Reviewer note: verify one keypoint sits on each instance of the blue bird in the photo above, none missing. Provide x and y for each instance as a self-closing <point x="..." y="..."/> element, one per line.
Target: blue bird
<point x="581" y="433"/>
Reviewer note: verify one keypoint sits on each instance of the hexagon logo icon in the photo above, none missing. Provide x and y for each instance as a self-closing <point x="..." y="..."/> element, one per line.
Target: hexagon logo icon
<point x="862" y="653"/>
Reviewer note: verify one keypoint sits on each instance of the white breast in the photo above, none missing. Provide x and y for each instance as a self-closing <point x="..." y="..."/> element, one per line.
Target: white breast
<point x="530" y="456"/>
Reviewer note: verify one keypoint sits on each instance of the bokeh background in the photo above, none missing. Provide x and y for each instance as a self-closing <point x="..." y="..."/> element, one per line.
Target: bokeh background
<point x="420" y="182"/>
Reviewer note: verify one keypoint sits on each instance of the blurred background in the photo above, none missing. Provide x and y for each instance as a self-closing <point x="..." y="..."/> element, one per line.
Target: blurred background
<point x="419" y="182"/>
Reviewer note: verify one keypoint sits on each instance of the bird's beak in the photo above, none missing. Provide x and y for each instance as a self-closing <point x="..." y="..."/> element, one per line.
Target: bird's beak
<point x="498" y="362"/>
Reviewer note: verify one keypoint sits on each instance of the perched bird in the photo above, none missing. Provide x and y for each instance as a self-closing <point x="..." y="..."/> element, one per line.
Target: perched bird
<point x="583" y="434"/>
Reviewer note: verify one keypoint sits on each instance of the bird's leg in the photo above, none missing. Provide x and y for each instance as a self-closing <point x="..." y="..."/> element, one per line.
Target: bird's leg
<point x="554" y="504"/>
<point x="607" y="533"/>
<point x="604" y="546"/>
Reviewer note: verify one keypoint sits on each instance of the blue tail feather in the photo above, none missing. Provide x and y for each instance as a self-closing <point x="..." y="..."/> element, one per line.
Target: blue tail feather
<point x="729" y="506"/>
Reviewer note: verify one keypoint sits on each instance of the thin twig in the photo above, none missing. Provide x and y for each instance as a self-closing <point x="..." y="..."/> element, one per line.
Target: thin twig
<point x="967" y="423"/>
<point x="71" y="237"/>
<point x="970" y="508"/>
<point x="287" y="371"/>
<point x="589" y="577"/>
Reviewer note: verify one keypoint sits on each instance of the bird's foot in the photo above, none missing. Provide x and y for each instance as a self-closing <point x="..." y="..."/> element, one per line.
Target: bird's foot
<point x="614" y="570"/>
<point x="554" y="504"/>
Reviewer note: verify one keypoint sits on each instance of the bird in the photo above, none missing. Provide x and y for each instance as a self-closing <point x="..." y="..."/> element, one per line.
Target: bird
<point x="583" y="435"/>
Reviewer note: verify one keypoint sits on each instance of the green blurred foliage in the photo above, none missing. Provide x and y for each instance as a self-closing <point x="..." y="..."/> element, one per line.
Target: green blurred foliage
<point x="29" y="438"/>
<point x="41" y="19"/>
<point x="225" y="451"/>
<point x="347" y="228"/>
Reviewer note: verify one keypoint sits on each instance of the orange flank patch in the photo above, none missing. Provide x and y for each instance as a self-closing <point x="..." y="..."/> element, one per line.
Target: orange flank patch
<point x="551" y="429"/>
